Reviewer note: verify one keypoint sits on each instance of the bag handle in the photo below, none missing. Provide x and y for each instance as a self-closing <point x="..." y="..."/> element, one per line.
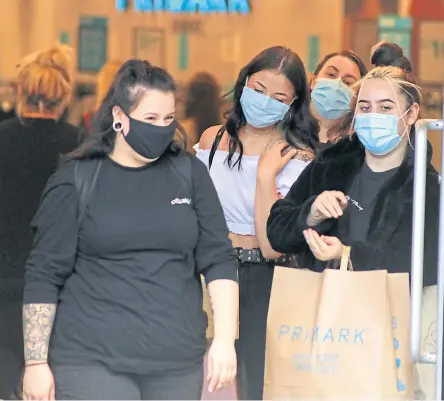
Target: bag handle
<point x="345" y="259"/>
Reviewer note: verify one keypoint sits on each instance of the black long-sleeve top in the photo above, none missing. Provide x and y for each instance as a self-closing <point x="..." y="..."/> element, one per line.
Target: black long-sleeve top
<point x="384" y="233"/>
<point x="30" y="151"/>
<point x="127" y="282"/>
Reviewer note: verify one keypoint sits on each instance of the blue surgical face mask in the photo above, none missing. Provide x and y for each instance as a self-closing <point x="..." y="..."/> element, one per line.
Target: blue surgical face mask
<point x="260" y="110"/>
<point x="379" y="132"/>
<point x="331" y="98"/>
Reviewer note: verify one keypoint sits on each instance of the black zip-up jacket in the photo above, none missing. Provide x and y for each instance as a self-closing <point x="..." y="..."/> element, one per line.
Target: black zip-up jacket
<point x="388" y="242"/>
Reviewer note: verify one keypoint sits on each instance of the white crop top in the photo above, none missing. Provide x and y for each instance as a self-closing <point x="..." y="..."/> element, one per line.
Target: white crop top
<point x="236" y="188"/>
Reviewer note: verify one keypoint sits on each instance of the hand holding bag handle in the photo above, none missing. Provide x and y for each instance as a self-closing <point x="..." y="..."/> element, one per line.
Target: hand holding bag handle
<point x="346" y="263"/>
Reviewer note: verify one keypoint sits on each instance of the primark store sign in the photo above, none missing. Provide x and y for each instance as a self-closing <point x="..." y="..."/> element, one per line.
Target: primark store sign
<point x="187" y="6"/>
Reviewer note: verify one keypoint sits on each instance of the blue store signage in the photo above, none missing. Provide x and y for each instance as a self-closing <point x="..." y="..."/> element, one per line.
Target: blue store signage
<point x="187" y="6"/>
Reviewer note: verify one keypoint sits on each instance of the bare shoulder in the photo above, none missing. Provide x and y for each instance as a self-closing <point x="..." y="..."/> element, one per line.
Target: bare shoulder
<point x="208" y="136"/>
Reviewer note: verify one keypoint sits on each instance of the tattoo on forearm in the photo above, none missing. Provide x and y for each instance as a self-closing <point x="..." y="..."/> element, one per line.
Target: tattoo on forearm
<point x="37" y="326"/>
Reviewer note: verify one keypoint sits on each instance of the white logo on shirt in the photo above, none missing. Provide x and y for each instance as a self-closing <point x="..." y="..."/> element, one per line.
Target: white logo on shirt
<point x="182" y="201"/>
<point x="356" y="203"/>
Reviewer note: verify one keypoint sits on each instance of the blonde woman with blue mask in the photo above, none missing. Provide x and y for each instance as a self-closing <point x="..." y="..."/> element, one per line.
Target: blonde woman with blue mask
<point x="360" y="192"/>
<point x="254" y="158"/>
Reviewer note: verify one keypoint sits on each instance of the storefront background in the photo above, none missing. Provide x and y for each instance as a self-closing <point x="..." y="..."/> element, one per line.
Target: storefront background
<point x="220" y="43"/>
<point x="217" y="43"/>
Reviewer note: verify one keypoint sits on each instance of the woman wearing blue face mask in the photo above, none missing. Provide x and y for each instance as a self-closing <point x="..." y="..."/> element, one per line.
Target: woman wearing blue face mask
<point x="360" y="191"/>
<point x="254" y="158"/>
<point x="331" y="92"/>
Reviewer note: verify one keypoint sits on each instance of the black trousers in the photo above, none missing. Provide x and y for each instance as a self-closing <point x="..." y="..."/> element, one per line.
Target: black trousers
<point x="254" y="296"/>
<point x="11" y="347"/>
<point x="99" y="383"/>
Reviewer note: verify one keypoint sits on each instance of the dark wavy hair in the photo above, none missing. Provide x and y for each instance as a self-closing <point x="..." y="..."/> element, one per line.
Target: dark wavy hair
<point x="299" y="126"/>
<point x="203" y="102"/>
<point x="131" y="82"/>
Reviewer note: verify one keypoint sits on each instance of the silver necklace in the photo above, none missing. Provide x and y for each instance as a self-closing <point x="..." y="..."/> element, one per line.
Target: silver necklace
<point x="256" y="135"/>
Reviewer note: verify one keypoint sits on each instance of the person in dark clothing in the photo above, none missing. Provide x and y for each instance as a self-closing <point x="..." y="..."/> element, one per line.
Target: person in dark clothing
<point x="118" y="290"/>
<point x="7" y="114"/>
<point x="360" y="191"/>
<point x="31" y="145"/>
<point x="202" y="107"/>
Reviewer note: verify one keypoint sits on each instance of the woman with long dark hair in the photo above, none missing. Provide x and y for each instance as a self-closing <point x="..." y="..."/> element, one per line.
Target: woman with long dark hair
<point x="114" y="275"/>
<point x="254" y="158"/>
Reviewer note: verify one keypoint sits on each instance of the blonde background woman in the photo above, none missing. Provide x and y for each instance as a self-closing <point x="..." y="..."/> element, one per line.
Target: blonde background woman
<point x="83" y="112"/>
<point x="30" y="148"/>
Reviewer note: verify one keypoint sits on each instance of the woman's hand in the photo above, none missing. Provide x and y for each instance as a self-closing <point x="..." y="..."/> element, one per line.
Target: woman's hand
<point x="322" y="247"/>
<point x="38" y="383"/>
<point x="271" y="161"/>
<point x="328" y="205"/>
<point x="222" y="364"/>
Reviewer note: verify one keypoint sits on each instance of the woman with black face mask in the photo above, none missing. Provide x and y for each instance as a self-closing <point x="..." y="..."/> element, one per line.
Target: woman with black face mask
<point x="122" y="235"/>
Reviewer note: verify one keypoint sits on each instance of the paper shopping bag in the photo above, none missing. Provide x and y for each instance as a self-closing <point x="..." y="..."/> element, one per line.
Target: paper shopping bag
<point x="399" y="300"/>
<point x="338" y="335"/>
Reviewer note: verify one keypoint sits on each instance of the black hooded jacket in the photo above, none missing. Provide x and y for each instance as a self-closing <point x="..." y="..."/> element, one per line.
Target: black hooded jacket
<point x="388" y="242"/>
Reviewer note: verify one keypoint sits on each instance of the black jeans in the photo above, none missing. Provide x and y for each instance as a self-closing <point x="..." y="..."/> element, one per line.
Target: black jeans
<point x="99" y="383"/>
<point x="11" y="347"/>
<point x="254" y="296"/>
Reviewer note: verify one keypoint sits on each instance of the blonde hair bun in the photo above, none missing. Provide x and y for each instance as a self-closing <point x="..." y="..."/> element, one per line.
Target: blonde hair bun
<point x="56" y="57"/>
<point x="45" y="80"/>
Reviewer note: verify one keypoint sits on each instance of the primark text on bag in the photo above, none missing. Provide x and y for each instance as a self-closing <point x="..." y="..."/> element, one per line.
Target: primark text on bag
<point x="346" y="335"/>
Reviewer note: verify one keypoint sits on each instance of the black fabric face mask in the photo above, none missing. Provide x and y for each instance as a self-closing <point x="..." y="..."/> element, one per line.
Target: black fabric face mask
<point x="148" y="140"/>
